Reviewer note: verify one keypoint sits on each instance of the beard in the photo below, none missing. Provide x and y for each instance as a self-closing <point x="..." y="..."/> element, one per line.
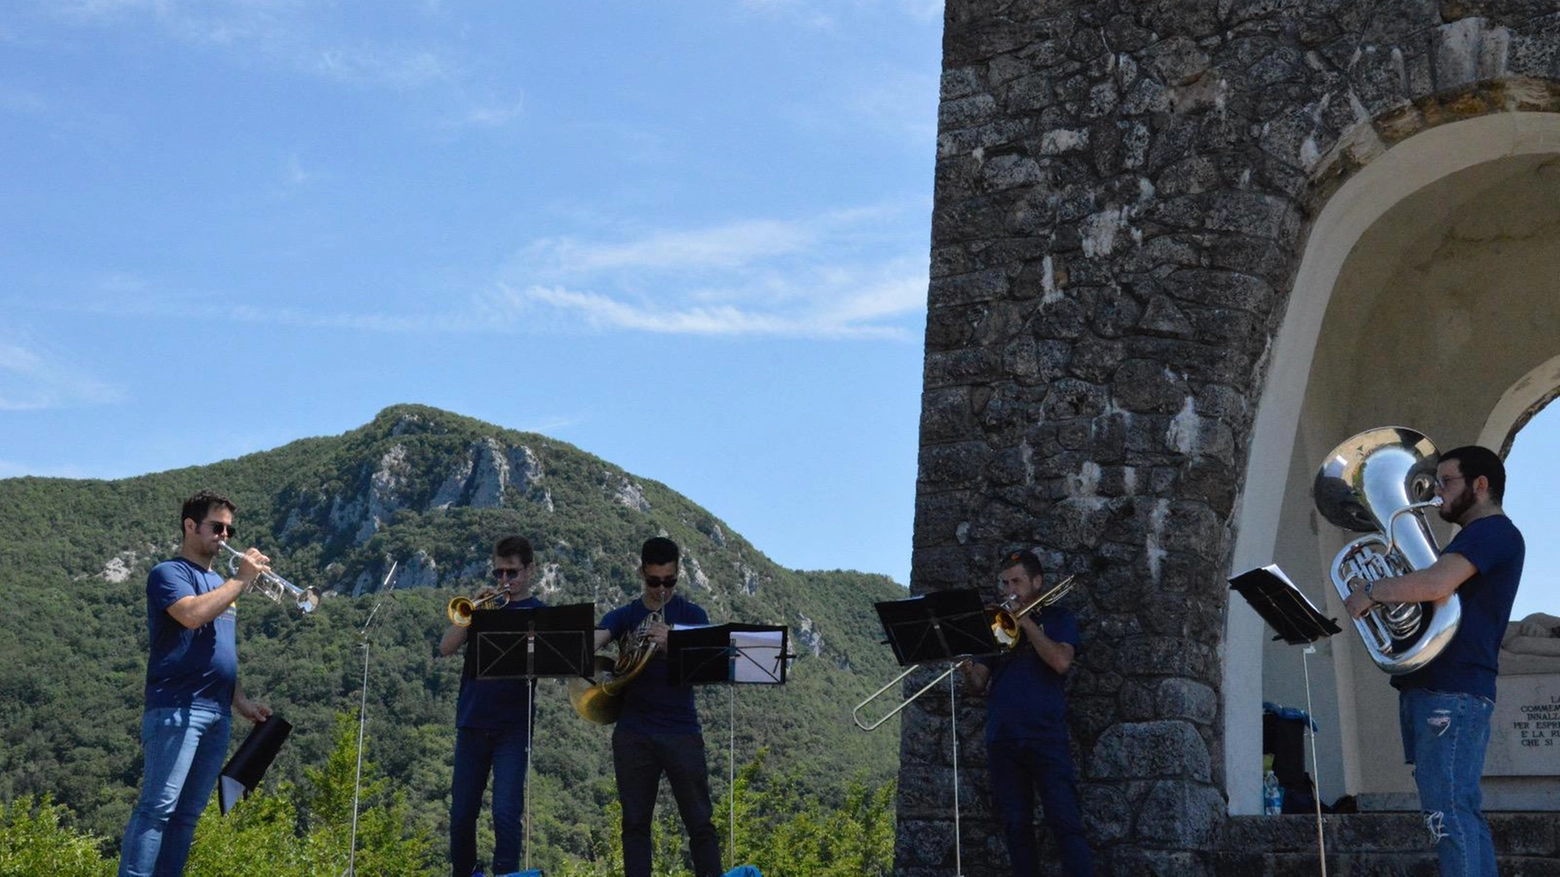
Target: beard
<point x="1453" y="511"/>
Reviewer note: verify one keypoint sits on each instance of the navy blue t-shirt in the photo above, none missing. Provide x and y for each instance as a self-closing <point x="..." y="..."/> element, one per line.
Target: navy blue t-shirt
<point x="1025" y="699"/>
<point x="1471" y="660"/>
<point x="188" y="667"/>
<point x="492" y="704"/>
<point x="651" y="704"/>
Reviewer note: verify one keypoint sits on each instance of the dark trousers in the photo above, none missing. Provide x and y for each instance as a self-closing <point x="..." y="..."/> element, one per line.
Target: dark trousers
<point x="478" y="751"/>
<point x="1019" y="770"/>
<point x="639" y="760"/>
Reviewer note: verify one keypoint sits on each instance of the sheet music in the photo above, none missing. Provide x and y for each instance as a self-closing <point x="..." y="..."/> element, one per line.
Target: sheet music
<point x="758" y="655"/>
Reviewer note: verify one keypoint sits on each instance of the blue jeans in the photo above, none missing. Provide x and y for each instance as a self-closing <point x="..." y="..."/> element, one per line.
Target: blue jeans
<point x="1444" y="738"/>
<point x="477" y="751"/>
<point x="639" y="760"/>
<point x="1021" y="768"/>
<point x="185" y="748"/>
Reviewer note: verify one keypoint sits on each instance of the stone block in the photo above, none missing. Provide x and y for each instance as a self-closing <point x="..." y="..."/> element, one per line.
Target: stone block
<point x="1182" y="814"/>
<point x="1187" y="699"/>
<point x="1169" y="749"/>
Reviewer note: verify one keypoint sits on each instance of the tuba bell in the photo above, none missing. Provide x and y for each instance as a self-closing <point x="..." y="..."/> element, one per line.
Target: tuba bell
<point x="1379" y="482"/>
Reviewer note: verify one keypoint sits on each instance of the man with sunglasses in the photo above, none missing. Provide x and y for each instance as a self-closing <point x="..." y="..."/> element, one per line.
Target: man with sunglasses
<point x="1444" y="707"/>
<point x="492" y="729"/>
<point x="658" y="731"/>
<point x="191" y="687"/>
<point x="1027" y="751"/>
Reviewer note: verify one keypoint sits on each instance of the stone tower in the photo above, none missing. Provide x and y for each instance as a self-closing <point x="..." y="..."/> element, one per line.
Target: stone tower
<point x="1180" y="249"/>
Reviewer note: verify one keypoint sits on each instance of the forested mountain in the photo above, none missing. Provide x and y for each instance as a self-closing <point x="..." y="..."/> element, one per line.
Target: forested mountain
<point x="431" y="491"/>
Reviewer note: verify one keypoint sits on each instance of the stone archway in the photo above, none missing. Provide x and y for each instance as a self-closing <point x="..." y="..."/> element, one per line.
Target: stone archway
<point x="1419" y="301"/>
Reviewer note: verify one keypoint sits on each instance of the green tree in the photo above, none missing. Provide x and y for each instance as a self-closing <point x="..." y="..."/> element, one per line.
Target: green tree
<point x="35" y="840"/>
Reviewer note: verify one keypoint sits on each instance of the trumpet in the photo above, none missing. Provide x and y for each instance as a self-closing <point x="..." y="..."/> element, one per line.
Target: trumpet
<point x="460" y="608"/>
<point x="274" y="586"/>
<point x="1004" y="629"/>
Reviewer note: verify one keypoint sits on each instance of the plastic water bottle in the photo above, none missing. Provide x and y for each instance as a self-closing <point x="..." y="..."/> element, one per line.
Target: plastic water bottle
<point x="1272" y="792"/>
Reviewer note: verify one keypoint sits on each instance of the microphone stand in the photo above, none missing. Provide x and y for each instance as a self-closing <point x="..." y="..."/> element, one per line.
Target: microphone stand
<point x="385" y="587"/>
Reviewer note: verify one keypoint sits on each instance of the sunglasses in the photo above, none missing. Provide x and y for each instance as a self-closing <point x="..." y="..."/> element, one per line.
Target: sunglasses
<point x="660" y="581"/>
<point x="220" y="529"/>
<point x="506" y="572"/>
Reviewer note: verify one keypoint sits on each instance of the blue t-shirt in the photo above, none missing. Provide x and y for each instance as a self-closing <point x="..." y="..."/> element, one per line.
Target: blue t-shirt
<point x="651" y="704"/>
<point x="1471" y="660"/>
<point x="492" y="704"/>
<point x="188" y="667"/>
<point x="1025" y="699"/>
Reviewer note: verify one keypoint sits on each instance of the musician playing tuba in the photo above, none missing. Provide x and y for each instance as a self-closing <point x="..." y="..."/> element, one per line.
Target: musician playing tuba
<point x="1444" y="707"/>
<point x="658" y="729"/>
<point x="1026" y="726"/>
<point x="492" y="726"/>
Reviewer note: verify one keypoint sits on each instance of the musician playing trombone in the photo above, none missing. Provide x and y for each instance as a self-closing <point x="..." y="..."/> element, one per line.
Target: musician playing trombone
<point x="1026" y="727"/>
<point x="1444" y="707"/>
<point x="492" y="725"/>
<point x="191" y="687"/>
<point x="658" y="731"/>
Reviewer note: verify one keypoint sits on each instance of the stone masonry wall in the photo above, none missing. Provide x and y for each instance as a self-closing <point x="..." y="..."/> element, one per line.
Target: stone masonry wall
<point x="1122" y="194"/>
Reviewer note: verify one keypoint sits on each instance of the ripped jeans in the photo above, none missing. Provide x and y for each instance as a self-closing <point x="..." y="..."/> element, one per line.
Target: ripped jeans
<point x="1444" y="738"/>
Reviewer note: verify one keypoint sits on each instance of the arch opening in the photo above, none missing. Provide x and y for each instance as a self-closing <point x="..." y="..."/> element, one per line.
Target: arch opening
<point x="1424" y="299"/>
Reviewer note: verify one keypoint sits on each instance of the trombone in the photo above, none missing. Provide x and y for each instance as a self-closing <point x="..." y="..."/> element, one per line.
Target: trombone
<point x="274" y="586"/>
<point x="1004" y="629"/>
<point x="460" y="608"/>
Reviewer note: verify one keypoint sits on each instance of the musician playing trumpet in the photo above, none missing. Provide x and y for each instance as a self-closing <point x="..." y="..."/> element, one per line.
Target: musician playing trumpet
<point x="1026" y="727"/>
<point x="658" y="731"/>
<point x="492" y="726"/>
<point x="191" y="687"/>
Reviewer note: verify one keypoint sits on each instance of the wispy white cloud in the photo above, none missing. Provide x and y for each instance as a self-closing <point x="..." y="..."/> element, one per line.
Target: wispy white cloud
<point x="32" y="380"/>
<point x="846" y="274"/>
<point x="397" y="66"/>
<point x="850" y="273"/>
<point x="494" y="113"/>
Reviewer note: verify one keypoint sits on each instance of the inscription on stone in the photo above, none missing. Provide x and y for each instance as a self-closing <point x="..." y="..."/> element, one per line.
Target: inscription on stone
<point x="1525" y="728"/>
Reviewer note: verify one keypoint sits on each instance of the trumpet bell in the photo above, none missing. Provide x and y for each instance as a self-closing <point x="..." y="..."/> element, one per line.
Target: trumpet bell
<point x="461" y="608"/>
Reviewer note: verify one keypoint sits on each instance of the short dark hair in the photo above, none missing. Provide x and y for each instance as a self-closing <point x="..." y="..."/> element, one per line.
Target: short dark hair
<point x="658" y="550"/>
<point x="1474" y="461"/>
<point x="515" y="546"/>
<point x="198" y="506"/>
<point x="1026" y="558"/>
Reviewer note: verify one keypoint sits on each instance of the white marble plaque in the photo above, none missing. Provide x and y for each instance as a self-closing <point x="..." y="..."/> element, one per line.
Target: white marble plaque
<point x="1525" y="728"/>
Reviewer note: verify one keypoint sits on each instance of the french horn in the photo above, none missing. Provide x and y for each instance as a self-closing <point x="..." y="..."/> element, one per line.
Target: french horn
<point x="600" y="700"/>
<point x="1379" y="482"/>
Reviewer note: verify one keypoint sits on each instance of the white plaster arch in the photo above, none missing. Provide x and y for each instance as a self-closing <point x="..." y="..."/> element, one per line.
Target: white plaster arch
<point x="1520" y="401"/>
<point x="1362" y="200"/>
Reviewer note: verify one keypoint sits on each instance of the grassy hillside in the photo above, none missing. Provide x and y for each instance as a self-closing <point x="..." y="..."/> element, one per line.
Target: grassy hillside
<point x="432" y="491"/>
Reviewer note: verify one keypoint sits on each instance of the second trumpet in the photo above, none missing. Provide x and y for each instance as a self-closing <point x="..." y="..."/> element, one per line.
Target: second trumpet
<point x="460" y="608"/>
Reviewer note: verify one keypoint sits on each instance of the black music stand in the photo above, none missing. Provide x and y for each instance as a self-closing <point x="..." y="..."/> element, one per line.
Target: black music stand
<point x="1298" y="623"/>
<point x="532" y="643"/>
<point x="730" y="655"/>
<point x="943" y="626"/>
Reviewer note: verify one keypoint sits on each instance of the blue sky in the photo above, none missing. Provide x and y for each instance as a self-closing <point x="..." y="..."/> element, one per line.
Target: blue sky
<point x="688" y="237"/>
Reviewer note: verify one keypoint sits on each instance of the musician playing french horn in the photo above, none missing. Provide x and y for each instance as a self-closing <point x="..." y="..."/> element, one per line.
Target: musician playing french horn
<point x="658" y="730"/>
<point x="492" y="723"/>
<point x="1444" y="707"/>
<point x="1026" y="723"/>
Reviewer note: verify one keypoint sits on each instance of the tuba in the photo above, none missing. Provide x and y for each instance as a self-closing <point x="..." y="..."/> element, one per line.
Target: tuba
<point x="1379" y="482"/>
<point x="601" y="701"/>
